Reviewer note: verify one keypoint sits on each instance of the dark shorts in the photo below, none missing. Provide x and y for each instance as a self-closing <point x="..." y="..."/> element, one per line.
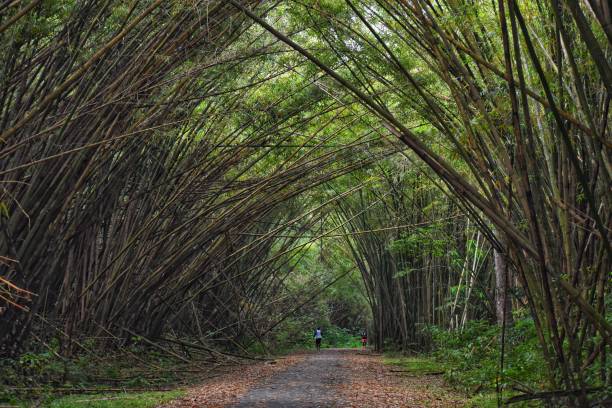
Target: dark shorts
<point x="318" y="342"/>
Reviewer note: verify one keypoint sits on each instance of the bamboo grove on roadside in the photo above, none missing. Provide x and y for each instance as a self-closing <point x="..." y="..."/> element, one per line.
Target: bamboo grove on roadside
<point x="150" y="186"/>
<point x="126" y="190"/>
<point x="529" y="123"/>
<point x="410" y="271"/>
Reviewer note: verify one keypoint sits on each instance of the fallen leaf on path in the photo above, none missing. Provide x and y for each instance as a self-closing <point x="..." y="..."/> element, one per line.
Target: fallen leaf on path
<point x="226" y="389"/>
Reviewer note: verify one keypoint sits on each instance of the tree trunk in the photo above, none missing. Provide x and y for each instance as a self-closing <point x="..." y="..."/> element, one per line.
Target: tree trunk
<point x="501" y="290"/>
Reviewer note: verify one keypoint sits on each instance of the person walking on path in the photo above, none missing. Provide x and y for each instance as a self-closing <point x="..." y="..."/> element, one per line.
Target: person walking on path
<point x="317" y="337"/>
<point x="364" y="340"/>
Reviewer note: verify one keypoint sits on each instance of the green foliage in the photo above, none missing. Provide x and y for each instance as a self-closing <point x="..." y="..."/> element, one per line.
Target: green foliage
<point x="336" y="337"/>
<point x="45" y="370"/>
<point x="417" y="365"/>
<point x="127" y="400"/>
<point x="482" y="400"/>
<point x="294" y="334"/>
<point x="297" y="335"/>
<point x="473" y="356"/>
<point x="341" y="310"/>
<point x="422" y="239"/>
<point x="4" y="210"/>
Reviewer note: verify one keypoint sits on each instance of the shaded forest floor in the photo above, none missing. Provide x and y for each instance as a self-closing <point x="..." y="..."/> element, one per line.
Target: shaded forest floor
<point x="331" y="378"/>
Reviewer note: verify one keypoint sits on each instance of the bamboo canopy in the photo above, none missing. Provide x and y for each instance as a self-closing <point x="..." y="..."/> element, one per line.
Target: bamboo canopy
<point x="149" y="186"/>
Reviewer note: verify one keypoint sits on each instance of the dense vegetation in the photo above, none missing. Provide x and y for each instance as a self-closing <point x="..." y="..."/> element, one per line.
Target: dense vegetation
<point x="185" y="184"/>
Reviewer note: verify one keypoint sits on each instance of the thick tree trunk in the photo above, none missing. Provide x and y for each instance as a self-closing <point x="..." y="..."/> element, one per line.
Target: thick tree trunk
<point x="501" y="290"/>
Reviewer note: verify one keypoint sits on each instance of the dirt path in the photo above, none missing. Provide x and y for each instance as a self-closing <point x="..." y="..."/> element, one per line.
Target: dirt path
<point x="332" y="378"/>
<point x="310" y="383"/>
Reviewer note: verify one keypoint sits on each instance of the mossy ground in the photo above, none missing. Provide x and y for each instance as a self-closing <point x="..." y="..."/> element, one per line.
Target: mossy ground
<point x="112" y="400"/>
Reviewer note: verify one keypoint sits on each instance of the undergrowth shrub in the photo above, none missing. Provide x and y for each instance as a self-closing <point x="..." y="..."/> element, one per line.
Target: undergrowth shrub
<point x="473" y="356"/>
<point x="338" y="337"/>
<point x="296" y="333"/>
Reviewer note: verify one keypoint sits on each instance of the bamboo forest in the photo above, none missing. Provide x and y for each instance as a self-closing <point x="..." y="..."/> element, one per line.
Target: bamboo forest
<point x="305" y="203"/>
